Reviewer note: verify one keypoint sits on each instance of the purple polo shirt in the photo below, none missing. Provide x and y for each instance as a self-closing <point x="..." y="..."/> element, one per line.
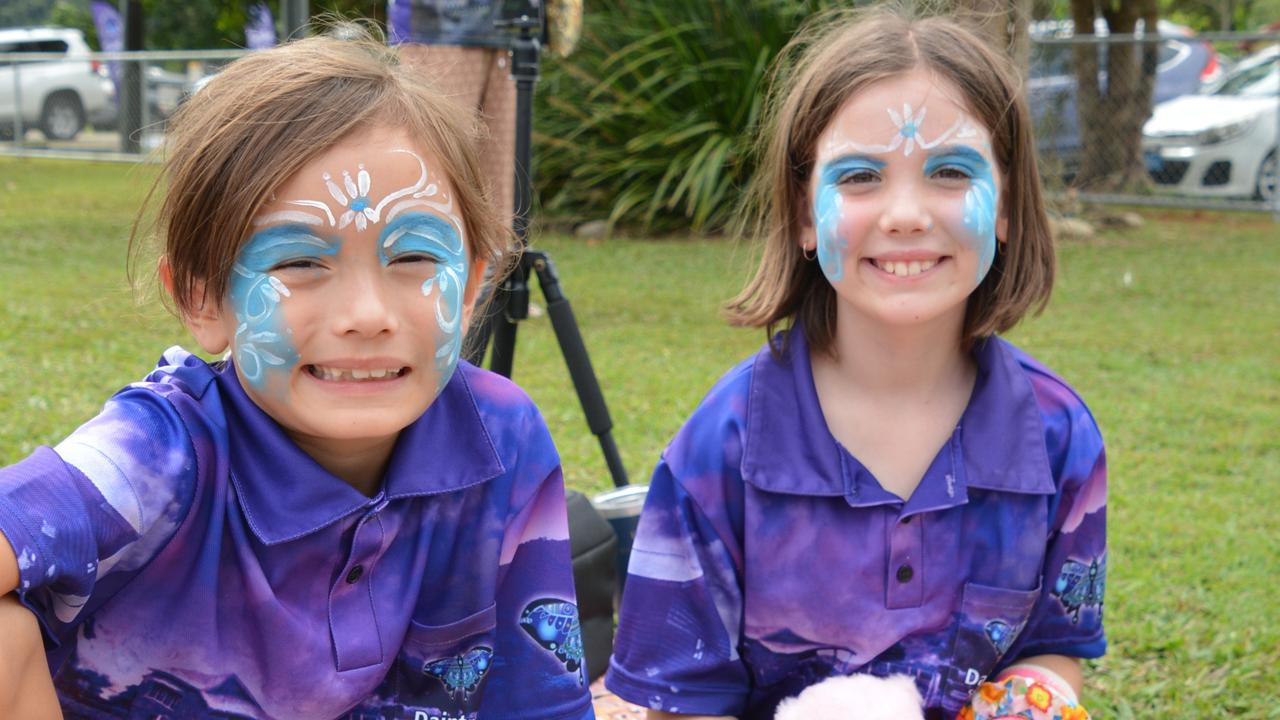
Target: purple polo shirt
<point x="768" y="557"/>
<point x="188" y="560"/>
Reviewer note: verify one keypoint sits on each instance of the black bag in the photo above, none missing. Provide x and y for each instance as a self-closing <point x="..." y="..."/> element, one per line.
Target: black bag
<point x="594" y="547"/>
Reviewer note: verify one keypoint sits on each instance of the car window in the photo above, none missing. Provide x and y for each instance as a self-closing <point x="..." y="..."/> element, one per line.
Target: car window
<point x="42" y="46"/>
<point x="1259" y="80"/>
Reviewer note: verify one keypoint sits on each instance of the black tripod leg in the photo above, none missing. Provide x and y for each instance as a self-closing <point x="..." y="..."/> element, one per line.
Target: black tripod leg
<point x="579" y="364"/>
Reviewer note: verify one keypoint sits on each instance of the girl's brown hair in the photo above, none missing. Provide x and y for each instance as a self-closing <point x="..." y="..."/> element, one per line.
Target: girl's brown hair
<point x="829" y="60"/>
<point x="269" y="113"/>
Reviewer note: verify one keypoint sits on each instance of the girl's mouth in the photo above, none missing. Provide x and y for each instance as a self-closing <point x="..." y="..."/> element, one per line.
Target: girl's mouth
<point x="905" y="268"/>
<point x="332" y="374"/>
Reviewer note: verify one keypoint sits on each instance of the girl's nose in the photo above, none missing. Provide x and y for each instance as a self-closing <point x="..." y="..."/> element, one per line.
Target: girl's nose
<point x="362" y="304"/>
<point x="906" y="212"/>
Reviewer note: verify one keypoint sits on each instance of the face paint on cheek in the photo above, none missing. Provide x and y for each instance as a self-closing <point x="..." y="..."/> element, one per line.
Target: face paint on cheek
<point x="432" y="236"/>
<point x="979" y="216"/>
<point x="263" y="344"/>
<point x="828" y="210"/>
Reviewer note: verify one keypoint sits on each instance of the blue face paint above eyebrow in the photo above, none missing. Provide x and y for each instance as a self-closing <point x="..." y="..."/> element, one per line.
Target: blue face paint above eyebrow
<point x="960" y="156"/>
<point x="267" y="248"/>
<point x="826" y="210"/>
<point x="431" y="235"/>
<point x="979" y="199"/>
<point x="841" y="166"/>
<point x="262" y="341"/>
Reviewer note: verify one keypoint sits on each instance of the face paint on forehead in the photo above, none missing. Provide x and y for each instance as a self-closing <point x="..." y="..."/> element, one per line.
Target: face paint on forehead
<point x="263" y="343"/>
<point x="354" y="205"/>
<point x="907" y="135"/>
<point x="428" y="234"/>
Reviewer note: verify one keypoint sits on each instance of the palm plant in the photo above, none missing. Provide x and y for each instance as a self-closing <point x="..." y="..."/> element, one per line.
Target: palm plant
<point x="652" y="119"/>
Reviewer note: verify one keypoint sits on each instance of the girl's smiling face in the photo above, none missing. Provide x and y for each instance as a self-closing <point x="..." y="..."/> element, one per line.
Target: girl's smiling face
<point x="905" y="195"/>
<point x="347" y="304"/>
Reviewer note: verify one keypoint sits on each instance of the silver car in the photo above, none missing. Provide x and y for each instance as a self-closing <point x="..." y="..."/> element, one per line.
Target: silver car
<point x="1223" y="141"/>
<point x="59" y="96"/>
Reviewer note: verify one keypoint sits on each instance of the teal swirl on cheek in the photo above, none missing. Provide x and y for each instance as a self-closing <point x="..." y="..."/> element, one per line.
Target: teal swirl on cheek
<point x="263" y="343"/>
<point x="828" y="208"/>
<point x="431" y="235"/>
<point x="979" y="201"/>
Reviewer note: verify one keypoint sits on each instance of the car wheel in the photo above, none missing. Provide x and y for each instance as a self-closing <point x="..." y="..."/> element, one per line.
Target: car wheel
<point x="1265" y="189"/>
<point x="62" y="117"/>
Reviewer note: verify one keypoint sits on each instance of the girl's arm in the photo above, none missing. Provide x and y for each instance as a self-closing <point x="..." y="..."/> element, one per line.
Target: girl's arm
<point x="26" y="690"/>
<point x="1067" y="668"/>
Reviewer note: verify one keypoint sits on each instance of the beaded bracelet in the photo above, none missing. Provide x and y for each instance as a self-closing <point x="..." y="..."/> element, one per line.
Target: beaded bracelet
<point x="1024" y="693"/>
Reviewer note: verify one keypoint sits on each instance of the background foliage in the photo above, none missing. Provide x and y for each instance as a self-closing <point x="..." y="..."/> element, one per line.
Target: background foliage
<point x="651" y="120"/>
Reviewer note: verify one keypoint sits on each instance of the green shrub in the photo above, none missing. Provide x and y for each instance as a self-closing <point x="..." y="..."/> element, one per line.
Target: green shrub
<point x="650" y="123"/>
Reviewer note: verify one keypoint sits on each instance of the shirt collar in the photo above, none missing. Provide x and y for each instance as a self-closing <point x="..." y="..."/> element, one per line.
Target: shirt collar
<point x="999" y="444"/>
<point x="286" y="495"/>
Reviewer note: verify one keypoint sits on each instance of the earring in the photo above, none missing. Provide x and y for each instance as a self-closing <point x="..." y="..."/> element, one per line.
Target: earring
<point x="809" y="253"/>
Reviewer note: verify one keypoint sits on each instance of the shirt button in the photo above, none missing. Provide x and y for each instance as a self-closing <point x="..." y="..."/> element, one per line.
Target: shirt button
<point x="905" y="573"/>
<point x="354" y="575"/>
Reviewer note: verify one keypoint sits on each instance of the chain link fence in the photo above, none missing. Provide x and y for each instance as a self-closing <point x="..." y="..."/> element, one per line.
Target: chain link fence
<point x="1208" y="139"/>
<point x="95" y="105"/>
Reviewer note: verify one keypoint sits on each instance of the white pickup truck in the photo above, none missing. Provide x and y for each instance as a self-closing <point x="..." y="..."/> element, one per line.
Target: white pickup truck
<point x="58" y="96"/>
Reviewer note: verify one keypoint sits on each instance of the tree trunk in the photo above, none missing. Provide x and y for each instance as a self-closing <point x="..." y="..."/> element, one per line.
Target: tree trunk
<point x="1113" y="108"/>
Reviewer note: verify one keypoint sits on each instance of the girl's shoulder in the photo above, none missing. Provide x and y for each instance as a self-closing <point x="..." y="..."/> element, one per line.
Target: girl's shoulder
<point x="1066" y="417"/>
<point x="505" y="424"/>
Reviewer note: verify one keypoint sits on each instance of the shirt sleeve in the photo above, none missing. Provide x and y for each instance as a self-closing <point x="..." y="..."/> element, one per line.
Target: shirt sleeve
<point x="679" y="626"/>
<point x="1067" y="618"/>
<point x="538" y="669"/>
<point x="85" y="516"/>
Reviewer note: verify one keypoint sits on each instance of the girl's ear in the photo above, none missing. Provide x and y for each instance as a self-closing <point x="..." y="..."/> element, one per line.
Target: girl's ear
<point x="205" y="320"/>
<point x="472" y="292"/>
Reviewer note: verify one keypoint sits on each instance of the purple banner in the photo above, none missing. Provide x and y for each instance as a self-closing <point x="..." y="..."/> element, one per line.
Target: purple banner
<point x="110" y="35"/>
<point x="260" y="28"/>
<point x="399" y="13"/>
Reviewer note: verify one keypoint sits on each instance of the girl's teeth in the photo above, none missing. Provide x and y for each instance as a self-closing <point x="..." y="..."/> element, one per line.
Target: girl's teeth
<point x="906" y="269"/>
<point x="336" y="375"/>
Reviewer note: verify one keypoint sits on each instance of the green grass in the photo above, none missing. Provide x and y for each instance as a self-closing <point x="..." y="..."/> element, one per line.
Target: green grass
<point x="1181" y="366"/>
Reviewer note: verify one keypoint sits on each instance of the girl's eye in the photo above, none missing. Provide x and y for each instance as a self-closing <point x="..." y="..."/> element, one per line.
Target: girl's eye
<point x="415" y="258"/>
<point x="858" y="177"/>
<point x="952" y="172"/>
<point x="298" y="264"/>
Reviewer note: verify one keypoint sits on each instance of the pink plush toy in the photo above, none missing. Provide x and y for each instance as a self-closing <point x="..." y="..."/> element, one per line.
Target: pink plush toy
<point x="856" y="697"/>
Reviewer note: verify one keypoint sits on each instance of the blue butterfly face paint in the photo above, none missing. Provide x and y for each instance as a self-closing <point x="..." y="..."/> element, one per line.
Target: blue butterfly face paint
<point x="263" y="341"/>
<point x="979" y="199"/>
<point x="418" y="234"/>
<point x="904" y="194"/>
<point x="346" y="307"/>
<point x="828" y="205"/>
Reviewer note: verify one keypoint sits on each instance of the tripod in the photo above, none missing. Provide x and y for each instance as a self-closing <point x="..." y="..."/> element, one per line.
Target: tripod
<point x="510" y="301"/>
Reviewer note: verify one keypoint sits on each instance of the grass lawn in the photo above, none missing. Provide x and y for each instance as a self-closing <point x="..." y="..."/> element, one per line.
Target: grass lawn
<point x="1171" y="332"/>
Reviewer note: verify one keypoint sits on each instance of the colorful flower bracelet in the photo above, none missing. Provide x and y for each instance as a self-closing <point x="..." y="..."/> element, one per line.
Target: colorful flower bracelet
<point x="1024" y="692"/>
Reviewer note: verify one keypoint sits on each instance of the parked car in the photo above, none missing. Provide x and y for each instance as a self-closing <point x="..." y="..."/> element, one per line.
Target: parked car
<point x="1184" y="66"/>
<point x="1222" y="142"/>
<point x="58" y="96"/>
